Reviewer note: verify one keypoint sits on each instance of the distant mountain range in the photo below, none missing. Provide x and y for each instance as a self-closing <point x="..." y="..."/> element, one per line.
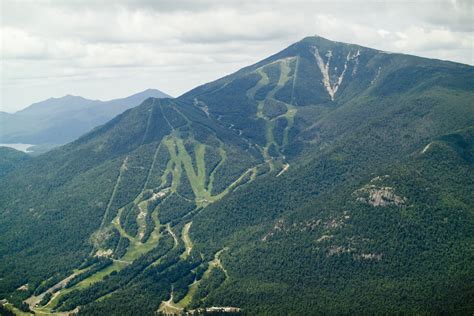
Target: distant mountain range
<point x="327" y="179"/>
<point x="60" y="120"/>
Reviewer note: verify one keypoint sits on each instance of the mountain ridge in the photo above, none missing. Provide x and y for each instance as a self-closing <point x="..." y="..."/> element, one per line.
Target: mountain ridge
<point x="60" y="120"/>
<point x="147" y="92"/>
<point x="262" y="191"/>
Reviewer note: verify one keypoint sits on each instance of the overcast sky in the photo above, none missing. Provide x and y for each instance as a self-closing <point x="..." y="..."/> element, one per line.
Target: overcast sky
<point x="111" y="49"/>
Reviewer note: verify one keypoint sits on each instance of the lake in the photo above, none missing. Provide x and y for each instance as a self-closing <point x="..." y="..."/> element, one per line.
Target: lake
<point x="19" y="146"/>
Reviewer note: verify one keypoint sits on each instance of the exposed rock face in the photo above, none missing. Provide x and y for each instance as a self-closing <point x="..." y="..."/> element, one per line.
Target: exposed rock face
<point x="328" y="224"/>
<point x="369" y="256"/>
<point x="323" y="238"/>
<point x="337" y="250"/>
<point x="378" y="195"/>
<point x="279" y="226"/>
<point x="24" y="287"/>
<point x="104" y="253"/>
<point x="332" y="82"/>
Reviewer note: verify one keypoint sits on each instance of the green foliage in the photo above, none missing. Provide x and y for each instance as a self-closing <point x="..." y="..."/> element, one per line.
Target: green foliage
<point x="10" y="159"/>
<point x="47" y="296"/>
<point x="184" y="188"/>
<point x="272" y="71"/>
<point x="150" y="225"/>
<point x="227" y="172"/>
<point x="131" y="182"/>
<point x="112" y="240"/>
<point x="121" y="248"/>
<point x="101" y="264"/>
<point x="212" y="158"/>
<point x="116" y="281"/>
<point x="371" y="215"/>
<point x="174" y="118"/>
<point x="24" y="307"/>
<point x="211" y="283"/>
<point x="129" y="219"/>
<point x="416" y="240"/>
<point x="5" y="311"/>
<point x="174" y="207"/>
<point x="273" y="108"/>
<point x="162" y="158"/>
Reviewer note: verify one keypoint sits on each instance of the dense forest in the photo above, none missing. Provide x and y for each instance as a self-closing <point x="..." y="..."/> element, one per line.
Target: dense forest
<point x="287" y="188"/>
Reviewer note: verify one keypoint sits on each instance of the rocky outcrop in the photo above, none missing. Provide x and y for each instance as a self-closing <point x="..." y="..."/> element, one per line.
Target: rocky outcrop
<point x="378" y="195"/>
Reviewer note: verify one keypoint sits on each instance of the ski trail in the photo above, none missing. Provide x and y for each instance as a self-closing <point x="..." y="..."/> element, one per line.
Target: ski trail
<point x="218" y="263"/>
<point x="151" y="167"/>
<point x="264" y="80"/>
<point x="171" y="308"/>
<point x="118" y="225"/>
<point x="168" y="307"/>
<point x="148" y="121"/>
<point x="141" y="219"/>
<point x="223" y="155"/>
<point x="170" y="231"/>
<point x="234" y="184"/>
<point x="295" y="74"/>
<point x="34" y="300"/>
<point x="123" y="168"/>
<point x="182" y="115"/>
<point x="287" y="165"/>
<point x="166" y="119"/>
<point x="187" y="241"/>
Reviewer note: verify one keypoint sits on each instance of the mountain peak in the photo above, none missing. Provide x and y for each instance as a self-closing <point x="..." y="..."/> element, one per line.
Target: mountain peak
<point x="70" y="97"/>
<point x="65" y="118"/>
<point x="316" y="37"/>
<point x="148" y="93"/>
<point x="314" y="160"/>
<point x="325" y="42"/>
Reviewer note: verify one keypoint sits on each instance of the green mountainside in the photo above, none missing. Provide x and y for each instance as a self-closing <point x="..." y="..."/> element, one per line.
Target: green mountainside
<point x="329" y="178"/>
<point x="10" y="159"/>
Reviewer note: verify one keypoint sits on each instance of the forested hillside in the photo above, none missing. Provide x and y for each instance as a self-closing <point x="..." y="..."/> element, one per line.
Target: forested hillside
<point x="10" y="159"/>
<point x="329" y="178"/>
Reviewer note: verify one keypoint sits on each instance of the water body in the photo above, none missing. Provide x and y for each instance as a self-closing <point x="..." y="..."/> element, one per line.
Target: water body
<point x="19" y="146"/>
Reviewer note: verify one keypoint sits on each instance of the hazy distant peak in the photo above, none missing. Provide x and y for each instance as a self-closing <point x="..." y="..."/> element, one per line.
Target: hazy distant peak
<point x="65" y="118"/>
<point x="152" y="93"/>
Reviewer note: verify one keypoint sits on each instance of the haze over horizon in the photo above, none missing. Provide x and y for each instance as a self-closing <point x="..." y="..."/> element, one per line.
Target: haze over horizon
<point x="106" y="51"/>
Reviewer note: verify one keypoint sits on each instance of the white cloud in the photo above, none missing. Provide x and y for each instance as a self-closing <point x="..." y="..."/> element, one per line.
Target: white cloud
<point x="420" y="39"/>
<point x="18" y="44"/>
<point x="383" y="33"/>
<point x="50" y="48"/>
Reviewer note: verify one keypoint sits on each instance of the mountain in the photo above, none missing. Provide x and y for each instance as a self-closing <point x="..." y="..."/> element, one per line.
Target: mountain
<point x="60" y="120"/>
<point x="10" y="159"/>
<point x="329" y="178"/>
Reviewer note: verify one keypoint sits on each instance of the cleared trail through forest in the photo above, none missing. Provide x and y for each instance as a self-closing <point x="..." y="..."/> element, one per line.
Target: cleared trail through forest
<point x="34" y="300"/>
<point x="188" y="244"/>
<point x="123" y="168"/>
<point x="270" y="122"/>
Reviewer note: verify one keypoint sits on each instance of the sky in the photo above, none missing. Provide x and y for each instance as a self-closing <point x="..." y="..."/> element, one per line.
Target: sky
<point x="111" y="49"/>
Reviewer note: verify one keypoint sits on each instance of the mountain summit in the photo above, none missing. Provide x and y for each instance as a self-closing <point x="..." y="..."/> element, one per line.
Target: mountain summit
<point x="60" y="120"/>
<point x="328" y="178"/>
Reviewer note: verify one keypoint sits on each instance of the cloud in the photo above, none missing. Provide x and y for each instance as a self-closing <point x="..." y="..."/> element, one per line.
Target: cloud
<point x="91" y="47"/>
<point x="18" y="44"/>
<point x="420" y="39"/>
